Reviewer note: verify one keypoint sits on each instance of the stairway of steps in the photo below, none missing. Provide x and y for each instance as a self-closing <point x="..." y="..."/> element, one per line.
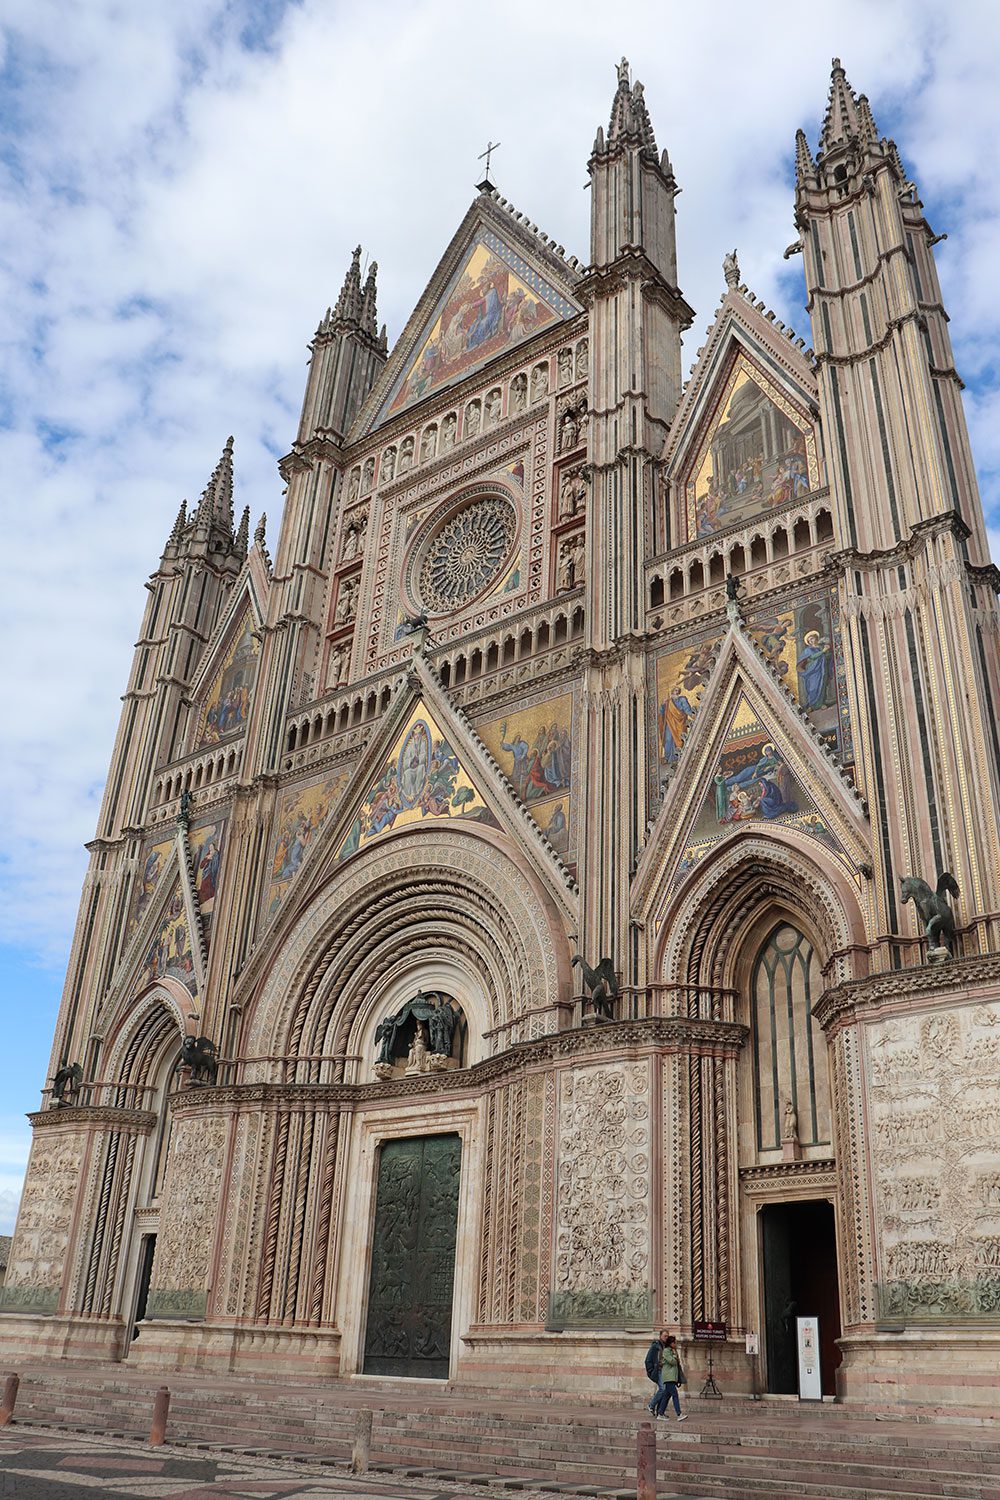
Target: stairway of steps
<point x="732" y="1449"/>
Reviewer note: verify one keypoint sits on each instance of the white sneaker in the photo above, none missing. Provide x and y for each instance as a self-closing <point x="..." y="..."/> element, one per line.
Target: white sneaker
<point x="682" y="1417"/>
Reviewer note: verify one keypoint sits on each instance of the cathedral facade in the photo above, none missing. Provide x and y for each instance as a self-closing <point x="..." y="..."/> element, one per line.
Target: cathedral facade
<point x="559" y="894"/>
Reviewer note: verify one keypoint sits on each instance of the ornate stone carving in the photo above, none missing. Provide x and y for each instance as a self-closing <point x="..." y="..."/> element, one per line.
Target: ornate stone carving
<point x="467" y="553"/>
<point x="934" y="1094"/>
<point x="603" y="1210"/>
<point x="38" y="1253"/>
<point x="188" y="1219"/>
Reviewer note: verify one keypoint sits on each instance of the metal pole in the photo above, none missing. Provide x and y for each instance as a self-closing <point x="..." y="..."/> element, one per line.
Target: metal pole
<point x="161" y="1405"/>
<point x="10" y="1386"/>
<point x="645" y="1463"/>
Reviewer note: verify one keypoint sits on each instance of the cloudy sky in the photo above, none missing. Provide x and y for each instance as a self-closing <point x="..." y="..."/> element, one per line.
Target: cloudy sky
<point x="181" y="184"/>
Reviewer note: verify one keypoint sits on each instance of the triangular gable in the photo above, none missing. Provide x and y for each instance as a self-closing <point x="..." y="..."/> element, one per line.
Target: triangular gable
<point x="495" y="287"/>
<point x="744" y="442"/>
<point x="424" y="766"/>
<point x="223" y="683"/>
<point x="751" y="760"/>
<point x="300" y="818"/>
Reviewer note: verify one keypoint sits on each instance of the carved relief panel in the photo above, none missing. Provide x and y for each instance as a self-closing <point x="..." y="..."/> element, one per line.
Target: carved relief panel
<point x="602" y="1272"/>
<point x="38" y="1253"/>
<point x="188" y="1217"/>
<point x="934" y="1105"/>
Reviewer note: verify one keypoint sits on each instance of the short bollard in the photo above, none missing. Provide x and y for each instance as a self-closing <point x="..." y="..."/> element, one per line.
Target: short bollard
<point x="645" y="1463"/>
<point x="161" y="1405"/>
<point x="10" y="1386"/>
<point x="362" y="1442"/>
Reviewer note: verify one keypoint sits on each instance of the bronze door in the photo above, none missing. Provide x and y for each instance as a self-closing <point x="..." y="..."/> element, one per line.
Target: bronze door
<point x="413" y="1258"/>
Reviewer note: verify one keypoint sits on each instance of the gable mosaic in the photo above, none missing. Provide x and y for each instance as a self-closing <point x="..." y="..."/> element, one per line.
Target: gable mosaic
<point x="228" y="701"/>
<point x="301" y="815"/>
<point x="494" y="301"/>
<point x="534" y="749"/>
<point x="758" y="455"/>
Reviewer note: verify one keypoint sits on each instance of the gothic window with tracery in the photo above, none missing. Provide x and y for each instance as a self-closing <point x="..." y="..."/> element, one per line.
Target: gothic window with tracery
<point x="792" y="1090"/>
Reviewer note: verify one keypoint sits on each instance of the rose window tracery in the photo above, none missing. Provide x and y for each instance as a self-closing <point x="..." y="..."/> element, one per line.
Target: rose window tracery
<point x="467" y="554"/>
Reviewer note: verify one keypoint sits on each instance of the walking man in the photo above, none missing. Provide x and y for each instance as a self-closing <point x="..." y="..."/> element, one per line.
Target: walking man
<point x="663" y="1365"/>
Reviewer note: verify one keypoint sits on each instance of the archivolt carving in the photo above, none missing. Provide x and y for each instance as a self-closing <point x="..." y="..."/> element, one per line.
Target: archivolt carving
<point x="140" y="1031"/>
<point x="714" y="908"/>
<point x="460" y="889"/>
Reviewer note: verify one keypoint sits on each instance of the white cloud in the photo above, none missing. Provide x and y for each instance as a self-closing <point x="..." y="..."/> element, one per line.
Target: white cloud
<point x="177" y="209"/>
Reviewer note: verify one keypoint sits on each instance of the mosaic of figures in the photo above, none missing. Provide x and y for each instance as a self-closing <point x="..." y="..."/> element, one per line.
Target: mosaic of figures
<point x="494" y="302"/>
<point x="206" y="844"/>
<point x="228" y="701"/>
<point x="421" y="778"/>
<point x="752" y="783"/>
<point x="757" y="456"/>
<point x="169" y="954"/>
<point x="301" y="814"/>
<point x="803" y="647"/>
<point x="525" y="388"/>
<point x="534" y="749"/>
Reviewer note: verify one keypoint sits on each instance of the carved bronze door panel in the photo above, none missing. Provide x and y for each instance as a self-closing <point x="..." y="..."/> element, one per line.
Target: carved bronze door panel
<point x="413" y="1258"/>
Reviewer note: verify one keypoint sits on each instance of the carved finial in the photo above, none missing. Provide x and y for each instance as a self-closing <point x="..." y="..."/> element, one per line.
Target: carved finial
<point x="369" y="316"/>
<point x="629" y="115"/>
<point x="804" y="164"/>
<point x="623" y="73"/>
<point x="841" y="122"/>
<point x="243" y="535"/>
<point x="260" y="535"/>
<point x="348" y="306"/>
<point x="731" y="269"/>
<point x="216" y="503"/>
<point x="177" y="530"/>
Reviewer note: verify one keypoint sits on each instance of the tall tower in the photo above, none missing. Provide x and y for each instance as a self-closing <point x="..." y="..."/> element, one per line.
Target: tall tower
<point x="915" y="580"/>
<point x="637" y="316"/>
<point x="348" y="354"/>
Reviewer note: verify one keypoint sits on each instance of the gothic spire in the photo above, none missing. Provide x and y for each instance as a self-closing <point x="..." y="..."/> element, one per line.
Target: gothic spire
<point x="842" y="122"/>
<point x="174" y="539"/>
<point x="216" y="502"/>
<point x="243" y="535"/>
<point x="869" y="129"/>
<point x="348" y="308"/>
<point x="804" y="164"/>
<point x="629" y="117"/>
<point x="369" y="314"/>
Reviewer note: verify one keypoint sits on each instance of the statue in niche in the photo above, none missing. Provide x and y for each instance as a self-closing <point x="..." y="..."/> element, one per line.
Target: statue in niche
<point x="416" y="1058"/>
<point x="430" y="1050"/>
<point x="582" y="358"/>
<point x="572" y="495"/>
<point x="344" y="613"/>
<point x="565" y="367"/>
<point x="934" y="911"/>
<point x="388" y="468"/>
<point x="519" y="393"/>
<point x="448" y="430"/>
<point x="405" y="455"/>
<point x="354" y="485"/>
<point x="335" y="667"/>
<point x="354" y="536"/>
<point x="569" y="430"/>
<point x="473" y="419"/>
<point x="539" y="382"/>
<point x="368" y="475"/>
<point x="790" y="1126"/>
<point x="494" y="404"/>
<point x="428" y="444"/>
<point x="602" y="986"/>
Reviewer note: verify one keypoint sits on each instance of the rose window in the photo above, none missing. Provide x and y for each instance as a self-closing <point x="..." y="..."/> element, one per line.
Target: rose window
<point x="467" y="554"/>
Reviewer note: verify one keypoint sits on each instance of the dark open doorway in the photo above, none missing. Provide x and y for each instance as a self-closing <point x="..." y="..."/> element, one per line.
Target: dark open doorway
<point x="799" y="1249"/>
<point x="147" y="1250"/>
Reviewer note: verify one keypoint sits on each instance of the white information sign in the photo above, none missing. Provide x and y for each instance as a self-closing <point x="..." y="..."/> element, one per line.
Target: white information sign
<point x="810" y="1383"/>
<point x="753" y="1343"/>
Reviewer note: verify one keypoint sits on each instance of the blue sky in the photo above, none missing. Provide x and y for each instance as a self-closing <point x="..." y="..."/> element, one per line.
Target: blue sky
<point x="181" y="185"/>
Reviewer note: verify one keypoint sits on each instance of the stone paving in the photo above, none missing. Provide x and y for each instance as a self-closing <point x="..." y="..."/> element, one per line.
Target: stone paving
<point x="50" y="1465"/>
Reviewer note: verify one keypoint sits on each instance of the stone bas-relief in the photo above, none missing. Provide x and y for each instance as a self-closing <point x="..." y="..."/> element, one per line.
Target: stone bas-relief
<point x="188" y="1217"/>
<point x="934" y="1099"/>
<point x="602" y="1203"/>
<point x="38" y="1253"/>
